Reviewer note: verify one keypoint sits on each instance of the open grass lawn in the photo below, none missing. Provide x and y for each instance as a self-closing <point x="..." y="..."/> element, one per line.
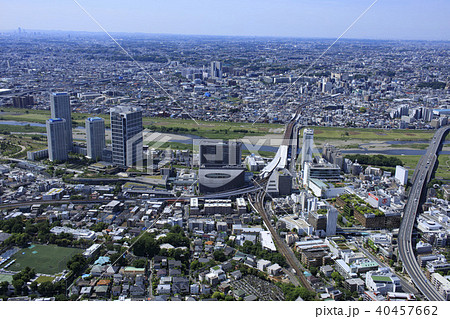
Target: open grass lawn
<point x="409" y="160"/>
<point x="16" y="114"/>
<point x="215" y="130"/>
<point x="226" y="130"/>
<point x="46" y="259"/>
<point x="172" y="145"/>
<point x="31" y="142"/>
<point x="6" y="277"/>
<point x="443" y="170"/>
<point x="21" y="128"/>
<point x="370" y="134"/>
<point x="42" y="279"/>
<point x="222" y="130"/>
<point x="419" y="146"/>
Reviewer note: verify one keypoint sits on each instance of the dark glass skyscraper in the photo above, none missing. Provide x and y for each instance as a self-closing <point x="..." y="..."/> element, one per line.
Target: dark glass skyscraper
<point x="126" y="134"/>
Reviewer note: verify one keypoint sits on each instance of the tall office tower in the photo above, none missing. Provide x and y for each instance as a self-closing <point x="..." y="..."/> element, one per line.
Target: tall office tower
<point x="126" y="133"/>
<point x="56" y="138"/>
<point x="60" y="108"/>
<point x="95" y="137"/>
<point x="307" y="147"/>
<point x="216" y="70"/>
<point x="220" y="153"/>
<point x="332" y="216"/>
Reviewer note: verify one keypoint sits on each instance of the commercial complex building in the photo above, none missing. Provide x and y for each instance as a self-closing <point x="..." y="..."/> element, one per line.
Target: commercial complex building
<point x="220" y="179"/>
<point x="220" y="153"/>
<point x="220" y="166"/>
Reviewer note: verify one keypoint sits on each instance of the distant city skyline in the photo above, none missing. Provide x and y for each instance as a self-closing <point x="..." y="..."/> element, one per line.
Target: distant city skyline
<point x="397" y="19"/>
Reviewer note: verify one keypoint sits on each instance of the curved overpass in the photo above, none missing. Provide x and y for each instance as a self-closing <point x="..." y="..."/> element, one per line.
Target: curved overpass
<point x="281" y="157"/>
<point x="421" y="178"/>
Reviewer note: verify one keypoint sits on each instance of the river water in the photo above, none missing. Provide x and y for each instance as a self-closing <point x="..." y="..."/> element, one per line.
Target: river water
<point x="256" y="148"/>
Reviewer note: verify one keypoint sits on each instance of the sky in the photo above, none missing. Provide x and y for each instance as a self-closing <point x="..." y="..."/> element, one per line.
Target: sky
<point x="387" y="19"/>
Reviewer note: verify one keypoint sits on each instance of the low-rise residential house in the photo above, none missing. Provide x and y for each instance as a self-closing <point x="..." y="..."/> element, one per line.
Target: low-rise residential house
<point x="239" y="293"/>
<point x="205" y="290"/>
<point x="174" y="272"/>
<point x="262" y="264"/>
<point x="165" y="280"/>
<point x="180" y="285"/>
<point x="97" y="270"/>
<point x="236" y="275"/>
<point x="174" y="264"/>
<point x="133" y="271"/>
<point x="163" y="289"/>
<point x="125" y="289"/>
<point x="116" y="290"/>
<point x="161" y="273"/>
<point x="117" y="278"/>
<point x="195" y="289"/>
<point x="274" y="270"/>
<point x="327" y="270"/>
<point x="86" y="291"/>
<point x="212" y="279"/>
<point x="354" y="284"/>
<point x="101" y="291"/>
<point x="137" y="291"/>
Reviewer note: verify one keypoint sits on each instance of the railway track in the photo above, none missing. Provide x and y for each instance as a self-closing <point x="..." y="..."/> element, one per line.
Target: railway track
<point x="283" y="248"/>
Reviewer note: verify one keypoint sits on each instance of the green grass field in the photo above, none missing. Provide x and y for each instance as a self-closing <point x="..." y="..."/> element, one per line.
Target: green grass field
<point x="226" y="130"/>
<point x="42" y="279"/>
<point x="31" y="142"/>
<point x="21" y="128"/>
<point x="343" y="133"/>
<point x="6" y="277"/>
<point x="443" y="170"/>
<point x="419" y="146"/>
<point x="223" y="130"/>
<point x="172" y="145"/>
<point x="48" y="259"/>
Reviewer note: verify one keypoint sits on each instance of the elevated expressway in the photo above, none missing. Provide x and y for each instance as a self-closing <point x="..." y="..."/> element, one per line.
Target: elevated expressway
<point x="421" y="177"/>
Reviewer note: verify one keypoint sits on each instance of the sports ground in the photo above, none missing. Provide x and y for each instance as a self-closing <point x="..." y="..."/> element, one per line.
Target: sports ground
<point x="45" y="259"/>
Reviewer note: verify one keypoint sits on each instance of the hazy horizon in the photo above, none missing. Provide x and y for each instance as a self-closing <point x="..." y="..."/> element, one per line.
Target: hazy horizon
<point x="321" y="19"/>
<point x="145" y="34"/>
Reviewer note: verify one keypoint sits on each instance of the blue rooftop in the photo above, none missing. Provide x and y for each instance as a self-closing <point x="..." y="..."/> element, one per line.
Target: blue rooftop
<point x="60" y="93"/>
<point x="93" y="119"/>
<point x="55" y="120"/>
<point x="102" y="260"/>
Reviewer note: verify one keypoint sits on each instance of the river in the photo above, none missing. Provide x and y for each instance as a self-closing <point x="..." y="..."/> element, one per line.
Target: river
<point x="255" y="148"/>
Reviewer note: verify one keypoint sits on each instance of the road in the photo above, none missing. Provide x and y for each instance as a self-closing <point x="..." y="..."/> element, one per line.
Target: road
<point x="421" y="178"/>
